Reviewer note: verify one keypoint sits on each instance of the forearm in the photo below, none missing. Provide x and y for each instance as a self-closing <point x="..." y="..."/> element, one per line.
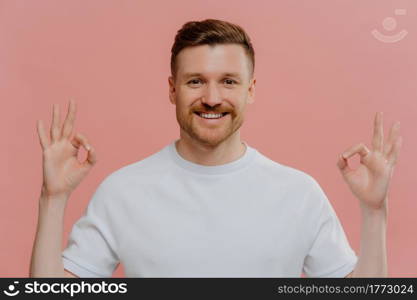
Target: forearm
<point x="46" y="258"/>
<point x="372" y="260"/>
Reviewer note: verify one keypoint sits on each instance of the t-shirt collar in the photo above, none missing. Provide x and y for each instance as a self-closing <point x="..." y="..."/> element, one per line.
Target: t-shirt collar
<point x="235" y="165"/>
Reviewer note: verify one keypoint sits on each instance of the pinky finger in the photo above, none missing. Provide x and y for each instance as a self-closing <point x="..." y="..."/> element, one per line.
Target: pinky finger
<point x="393" y="155"/>
<point x="43" y="138"/>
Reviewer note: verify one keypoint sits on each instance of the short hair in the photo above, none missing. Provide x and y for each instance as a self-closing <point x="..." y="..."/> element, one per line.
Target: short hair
<point x="210" y="32"/>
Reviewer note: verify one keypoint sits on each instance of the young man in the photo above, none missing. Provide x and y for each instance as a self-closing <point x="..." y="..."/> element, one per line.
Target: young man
<point x="208" y="204"/>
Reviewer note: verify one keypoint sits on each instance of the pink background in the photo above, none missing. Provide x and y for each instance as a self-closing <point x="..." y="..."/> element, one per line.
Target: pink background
<point x="321" y="76"/>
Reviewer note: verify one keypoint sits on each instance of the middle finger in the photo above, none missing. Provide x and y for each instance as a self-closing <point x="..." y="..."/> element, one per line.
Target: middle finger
<point x="55" y="128"/>
<point x="378" y="136"/>
<point x="69" y="120"/>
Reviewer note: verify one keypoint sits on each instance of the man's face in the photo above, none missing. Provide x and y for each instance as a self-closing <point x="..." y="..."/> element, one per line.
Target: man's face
<point x="214" y="80"/>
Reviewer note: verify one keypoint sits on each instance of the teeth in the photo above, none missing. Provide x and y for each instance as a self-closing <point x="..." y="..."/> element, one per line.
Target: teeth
<point x="211" y="116"/>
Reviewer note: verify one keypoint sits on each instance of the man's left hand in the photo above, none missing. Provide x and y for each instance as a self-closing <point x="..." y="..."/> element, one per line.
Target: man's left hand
<point x="370" y="181"/>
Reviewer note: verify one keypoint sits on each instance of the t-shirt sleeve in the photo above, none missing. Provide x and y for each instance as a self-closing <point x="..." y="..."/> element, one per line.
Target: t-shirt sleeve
<point x="330" y="254"/>
<point x="91" y="248"/>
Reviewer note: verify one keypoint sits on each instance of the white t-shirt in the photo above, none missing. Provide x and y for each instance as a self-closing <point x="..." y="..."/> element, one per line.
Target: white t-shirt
<point x="165" y="216"/>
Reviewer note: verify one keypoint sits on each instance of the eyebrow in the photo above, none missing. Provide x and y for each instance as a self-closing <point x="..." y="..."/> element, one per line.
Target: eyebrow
<point x="188" y="75"/>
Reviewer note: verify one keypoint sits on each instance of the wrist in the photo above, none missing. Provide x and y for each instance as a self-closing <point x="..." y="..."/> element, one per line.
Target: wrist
<point x="47" y="195"/>
<point x="375" y="207"/>
<point x="374" y="215"/>
<point x="53" y="202"/>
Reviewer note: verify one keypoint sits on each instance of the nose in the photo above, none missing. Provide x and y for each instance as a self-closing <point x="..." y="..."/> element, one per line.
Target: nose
<point x="212" y="95"/>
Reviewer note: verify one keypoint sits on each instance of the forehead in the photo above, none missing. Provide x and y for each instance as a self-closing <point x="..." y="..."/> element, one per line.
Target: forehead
<point x="219" y="58"/>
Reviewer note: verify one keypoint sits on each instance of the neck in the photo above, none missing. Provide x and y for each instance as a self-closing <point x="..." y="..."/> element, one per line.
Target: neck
<point x="227" y="151"/>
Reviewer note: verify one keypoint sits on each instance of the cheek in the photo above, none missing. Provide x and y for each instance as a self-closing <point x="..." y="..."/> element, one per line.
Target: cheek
<point x="239" y="96"/>
<point x="187" y="93"/>
<point x="182" y="102"/>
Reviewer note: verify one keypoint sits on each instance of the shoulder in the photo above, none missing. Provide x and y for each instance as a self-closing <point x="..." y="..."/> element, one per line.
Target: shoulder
<point x="297" y="186"/>
<point x="129" y="179"/>
<point x="285" y="174"/>
<point x="138" y="172"/>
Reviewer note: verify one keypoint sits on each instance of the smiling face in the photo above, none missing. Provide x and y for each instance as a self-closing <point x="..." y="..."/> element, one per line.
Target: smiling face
<point x="212" y="87"/>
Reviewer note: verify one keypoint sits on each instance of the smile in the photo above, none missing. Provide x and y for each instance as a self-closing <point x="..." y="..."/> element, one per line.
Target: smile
<point x="211" y="115"/>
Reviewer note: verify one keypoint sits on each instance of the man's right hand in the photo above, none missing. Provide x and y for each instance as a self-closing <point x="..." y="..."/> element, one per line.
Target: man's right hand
<point x="62" y="172"/>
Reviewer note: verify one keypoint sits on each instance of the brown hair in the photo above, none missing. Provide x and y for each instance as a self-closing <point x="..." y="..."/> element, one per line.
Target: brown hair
<point x="210" y="32"/>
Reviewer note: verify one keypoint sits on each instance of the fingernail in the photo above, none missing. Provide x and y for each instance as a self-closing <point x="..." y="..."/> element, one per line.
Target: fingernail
<point x="88" y="147"/>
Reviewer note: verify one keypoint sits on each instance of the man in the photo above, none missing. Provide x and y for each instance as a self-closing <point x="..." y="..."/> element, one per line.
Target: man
<point x="208" y="204"/>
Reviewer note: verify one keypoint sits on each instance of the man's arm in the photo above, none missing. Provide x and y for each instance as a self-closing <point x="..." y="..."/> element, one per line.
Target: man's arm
<point x="46" y="258"/>
<point x="372" y="260"/>
<point x="62" y="172"/>
<point x="369" y="183"/>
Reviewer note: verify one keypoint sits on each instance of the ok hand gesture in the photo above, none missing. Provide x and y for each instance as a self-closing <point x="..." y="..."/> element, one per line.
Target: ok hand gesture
<point x="370" y="181"/>
<point x="62" y="171"/>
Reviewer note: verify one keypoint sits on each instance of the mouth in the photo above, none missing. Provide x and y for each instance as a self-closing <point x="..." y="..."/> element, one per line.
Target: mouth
<point x="211" y="116"/>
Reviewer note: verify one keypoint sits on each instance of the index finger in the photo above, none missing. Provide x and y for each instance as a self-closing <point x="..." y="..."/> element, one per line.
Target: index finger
<point x="378" y="136"/>
<point x="69" y="120"/>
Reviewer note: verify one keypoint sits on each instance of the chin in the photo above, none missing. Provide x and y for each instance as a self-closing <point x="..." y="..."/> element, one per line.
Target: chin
<point x="213" y="138"/>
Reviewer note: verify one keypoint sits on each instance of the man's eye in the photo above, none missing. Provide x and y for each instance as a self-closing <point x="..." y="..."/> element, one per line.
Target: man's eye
<point x="229" y="81"/>
<point x="194" y="81"/>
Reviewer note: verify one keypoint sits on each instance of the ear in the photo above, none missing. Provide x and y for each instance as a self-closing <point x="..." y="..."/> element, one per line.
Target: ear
<point x="171" y="83"/>
<point x="251" y="96"/>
